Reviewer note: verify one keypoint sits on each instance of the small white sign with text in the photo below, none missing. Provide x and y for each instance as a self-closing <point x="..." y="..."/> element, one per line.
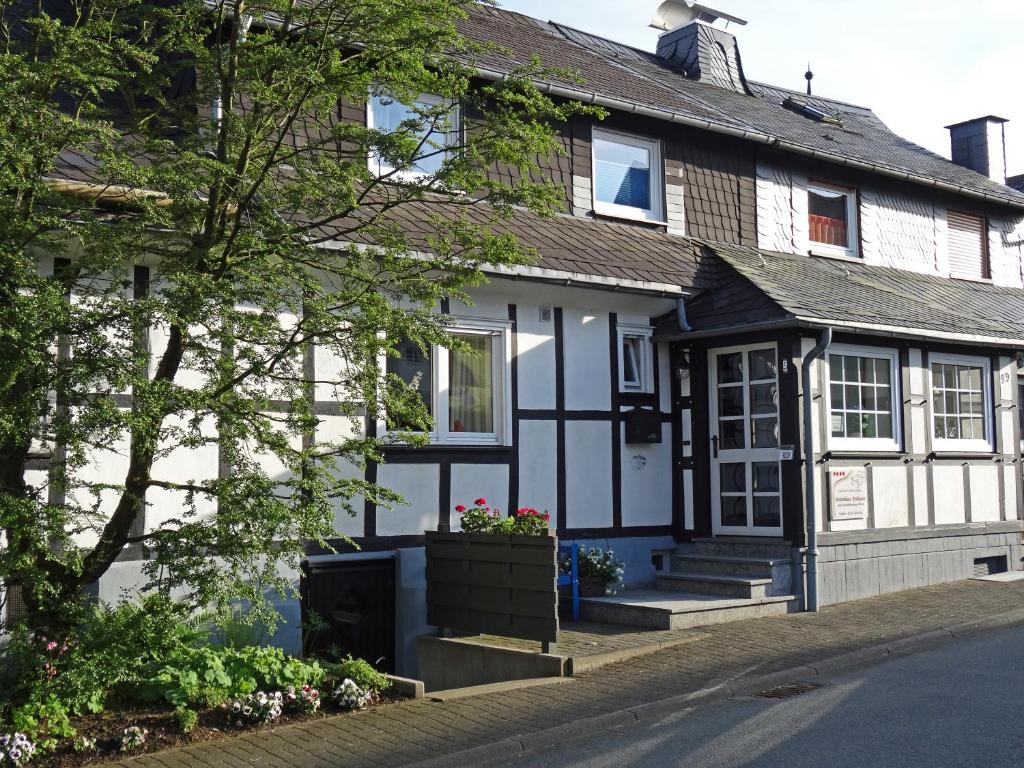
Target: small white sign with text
<point x="849" y="493"/>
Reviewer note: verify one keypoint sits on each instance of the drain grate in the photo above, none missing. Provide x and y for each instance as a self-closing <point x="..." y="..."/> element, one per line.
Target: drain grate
<point x="787" y="691"/>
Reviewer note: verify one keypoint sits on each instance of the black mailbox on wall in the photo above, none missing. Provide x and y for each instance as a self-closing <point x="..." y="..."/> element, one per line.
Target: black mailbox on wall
<point x="642" y="426"/>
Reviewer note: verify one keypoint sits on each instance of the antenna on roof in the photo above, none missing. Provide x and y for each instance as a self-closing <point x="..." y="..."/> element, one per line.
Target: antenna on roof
<point x="808" y="75"/>
<point x="673" y="14"/>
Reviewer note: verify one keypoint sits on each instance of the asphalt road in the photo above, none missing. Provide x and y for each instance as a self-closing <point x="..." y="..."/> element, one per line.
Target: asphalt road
<point x="956" y="705"/>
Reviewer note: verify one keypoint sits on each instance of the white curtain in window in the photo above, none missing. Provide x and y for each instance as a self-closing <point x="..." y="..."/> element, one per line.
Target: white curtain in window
<point x="471" y="385"/>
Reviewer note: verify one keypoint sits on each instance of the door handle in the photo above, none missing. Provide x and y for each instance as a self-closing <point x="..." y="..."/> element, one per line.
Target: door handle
<point x="714" y="446"/>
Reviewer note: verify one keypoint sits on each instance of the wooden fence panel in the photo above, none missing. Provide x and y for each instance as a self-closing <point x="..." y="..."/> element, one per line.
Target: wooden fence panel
<point x="489" y="583"/>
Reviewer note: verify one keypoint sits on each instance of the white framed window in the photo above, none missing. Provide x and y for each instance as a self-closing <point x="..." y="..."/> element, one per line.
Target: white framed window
<point x="961" y="395"/>
<point x="636" y="359"/>
<point x="629" y="176"/>
<point x="467" y="390"/>
<point x="832" y="220"/>
<point x="436" y="136"/>
<point x="863" y="399"/>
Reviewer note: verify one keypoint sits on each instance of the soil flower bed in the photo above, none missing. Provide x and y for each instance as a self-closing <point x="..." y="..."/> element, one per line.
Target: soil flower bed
<point x="142" y="677"/>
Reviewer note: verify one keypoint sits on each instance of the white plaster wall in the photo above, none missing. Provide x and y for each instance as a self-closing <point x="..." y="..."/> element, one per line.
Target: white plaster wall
<point x="183" y="465"/>
<point x="1010" y="490"/>
<point x="484" y="305"/>
<point x="329" y="370"/>
<point x="103" y="468"/>
<point x="687" y="452"/>
<point x="647" y="480"/>
<point x="474" y="481"/>
<point x="588" y="482"/>
<point x="336" y="429"/>
<point x="890" y="496"/>
<point x="420" y="485"/>
<point x="949" y="493"/>
<point x="985" y="501"/>
<point x="587" y="367"/>
<point x="538" y="470"/>
<point x="920" y="494"/>
<point x="665" y="374"/>
<point x="536" y="340"/>
<point x="899" y="231"/>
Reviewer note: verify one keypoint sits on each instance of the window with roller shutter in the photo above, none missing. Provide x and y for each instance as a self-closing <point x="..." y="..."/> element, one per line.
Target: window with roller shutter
<point x="968" y="249"/>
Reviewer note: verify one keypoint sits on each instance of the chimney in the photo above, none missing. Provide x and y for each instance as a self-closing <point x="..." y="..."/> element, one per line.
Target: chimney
<point x="980" y="145"/>
<point x="701" y="51"/>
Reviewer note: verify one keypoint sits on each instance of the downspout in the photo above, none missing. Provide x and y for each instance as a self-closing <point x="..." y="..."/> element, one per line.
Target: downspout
<point x="810" y="515"/>
<point x="684" y="326"/>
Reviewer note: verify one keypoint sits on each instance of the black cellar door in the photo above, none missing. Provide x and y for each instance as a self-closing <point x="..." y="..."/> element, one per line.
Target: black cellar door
<point x="354" y="606"/>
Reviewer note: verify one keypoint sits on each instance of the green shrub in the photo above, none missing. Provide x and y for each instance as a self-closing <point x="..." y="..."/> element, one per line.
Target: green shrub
<point x="45" y="681"/>
<point x="211" y="676"/>
<point x="359" y="672"/>
<point x="187" y="719"/>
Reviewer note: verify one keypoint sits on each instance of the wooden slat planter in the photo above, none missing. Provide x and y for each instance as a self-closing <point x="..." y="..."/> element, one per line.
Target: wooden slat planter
<point x="491" y="583"/>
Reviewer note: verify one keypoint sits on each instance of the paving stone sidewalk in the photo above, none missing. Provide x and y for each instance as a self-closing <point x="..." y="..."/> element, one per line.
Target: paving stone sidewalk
<point x="414" y="731"/>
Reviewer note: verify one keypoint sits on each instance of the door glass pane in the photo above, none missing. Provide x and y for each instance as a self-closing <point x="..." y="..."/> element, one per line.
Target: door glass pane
<point x="766" y="512"/>
<point x="731" y="435"/>
<point x="764" y="398"/>
<point x="734" y="477"/>
<point x="734" y="511"/>
<point x="730" y="368"/>
<point x="471" y="386"/>
<point x="730" y="401"/>
<point x="764" y="433"/>
<point x="766" y="476"/>
<point x="762" y="364"/>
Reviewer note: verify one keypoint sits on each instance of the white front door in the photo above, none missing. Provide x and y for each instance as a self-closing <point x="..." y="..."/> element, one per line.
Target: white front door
<point x="746" y="497"/>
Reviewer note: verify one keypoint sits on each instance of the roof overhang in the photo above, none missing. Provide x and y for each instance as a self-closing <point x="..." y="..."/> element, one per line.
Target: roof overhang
<point x="636" y="108"/>
<point x="868" y="329"/>
<point x="553" y="276"/>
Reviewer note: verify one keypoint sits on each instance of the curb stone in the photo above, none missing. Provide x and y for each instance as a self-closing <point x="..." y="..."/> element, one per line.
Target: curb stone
<point x="645" y="713"/>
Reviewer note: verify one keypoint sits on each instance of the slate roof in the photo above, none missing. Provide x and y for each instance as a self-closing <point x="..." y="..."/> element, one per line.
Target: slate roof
<point x="630" y="76"/>
<point x="768" y="287"/>
<point x="1017" y="182"/>
<point x="576" y="247"/>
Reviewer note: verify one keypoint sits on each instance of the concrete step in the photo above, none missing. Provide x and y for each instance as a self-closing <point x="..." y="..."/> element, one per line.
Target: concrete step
<point x="715" y="584"/>
<point x="659" y="609"/>
<point x="737" y="546"/>
<point x="729" y="565"/>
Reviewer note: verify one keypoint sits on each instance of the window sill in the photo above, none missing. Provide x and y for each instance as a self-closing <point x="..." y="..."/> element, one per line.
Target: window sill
<point x="639" y="218"/>
<point x="825" y="253"/>
<point x="447" y="448"/>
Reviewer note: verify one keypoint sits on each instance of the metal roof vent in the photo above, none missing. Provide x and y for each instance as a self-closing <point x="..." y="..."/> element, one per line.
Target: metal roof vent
<point x="701" y="51"/>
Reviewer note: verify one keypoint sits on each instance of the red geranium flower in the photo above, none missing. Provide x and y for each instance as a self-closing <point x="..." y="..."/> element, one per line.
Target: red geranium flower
<point x="547" y="518"/>
<point x="460" y="508"/>
<point x="480" y="502"/>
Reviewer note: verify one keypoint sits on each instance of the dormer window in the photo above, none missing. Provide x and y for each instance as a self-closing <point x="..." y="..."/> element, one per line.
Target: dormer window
<point x="832" y="220"/>
<point x="436" y="133"/>
<point x="628" y="176"/>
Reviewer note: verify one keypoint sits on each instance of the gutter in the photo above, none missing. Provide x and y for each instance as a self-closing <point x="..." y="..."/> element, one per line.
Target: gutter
<point x="866" y="329"/>
<point x="751" y="135"/>
<point x="810" y="515"/>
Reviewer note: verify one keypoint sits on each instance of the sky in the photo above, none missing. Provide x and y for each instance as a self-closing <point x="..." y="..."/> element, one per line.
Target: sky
<point x="919" y="64"/>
